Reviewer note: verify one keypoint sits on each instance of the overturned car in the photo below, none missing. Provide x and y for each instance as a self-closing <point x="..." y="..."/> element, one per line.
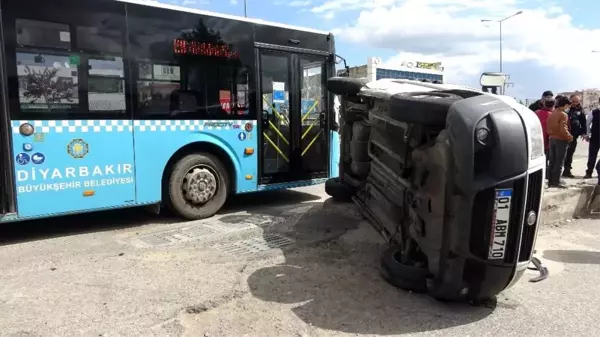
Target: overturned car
<point x="450" y="176"/>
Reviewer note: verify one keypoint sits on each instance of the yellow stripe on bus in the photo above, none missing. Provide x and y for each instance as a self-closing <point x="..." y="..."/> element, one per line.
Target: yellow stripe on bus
<point x="310" y="127"/>
<point x="277" y="114"/>
<point x="310" y="110"/>
<point x="311" y="143"/>
<point x="275" y="147"/>
<point x="278" y="133"/>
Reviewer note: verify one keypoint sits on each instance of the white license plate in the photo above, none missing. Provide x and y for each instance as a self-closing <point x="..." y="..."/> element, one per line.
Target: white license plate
<point x="500" y="224"/>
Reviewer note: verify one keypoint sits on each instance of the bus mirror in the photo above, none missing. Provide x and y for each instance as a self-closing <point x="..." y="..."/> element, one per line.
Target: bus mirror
<point x="338" y="60"/>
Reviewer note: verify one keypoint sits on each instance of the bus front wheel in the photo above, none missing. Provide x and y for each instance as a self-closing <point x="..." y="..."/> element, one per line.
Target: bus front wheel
<point x="198" y="186"/>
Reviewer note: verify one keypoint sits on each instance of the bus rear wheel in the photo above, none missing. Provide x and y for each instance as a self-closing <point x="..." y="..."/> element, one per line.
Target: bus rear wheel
<point x="198" y="186"/>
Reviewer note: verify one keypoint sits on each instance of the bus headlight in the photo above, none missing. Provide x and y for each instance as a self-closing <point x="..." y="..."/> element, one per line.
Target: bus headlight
<point x="534" y="133"/>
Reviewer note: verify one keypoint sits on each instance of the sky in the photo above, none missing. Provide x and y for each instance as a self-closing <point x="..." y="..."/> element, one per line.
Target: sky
<point x="547" y="47"/>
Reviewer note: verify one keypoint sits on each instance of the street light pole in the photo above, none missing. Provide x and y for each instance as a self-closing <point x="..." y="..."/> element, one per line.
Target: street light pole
<point x="245" y="10"/>
<point x="500" y="24"/>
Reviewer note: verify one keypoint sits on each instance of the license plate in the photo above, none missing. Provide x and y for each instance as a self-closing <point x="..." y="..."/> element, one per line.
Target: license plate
<point x="500" y="224"/>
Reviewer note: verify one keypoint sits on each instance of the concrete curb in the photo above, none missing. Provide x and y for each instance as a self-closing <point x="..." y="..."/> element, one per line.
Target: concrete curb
<point x="575" y="202"/>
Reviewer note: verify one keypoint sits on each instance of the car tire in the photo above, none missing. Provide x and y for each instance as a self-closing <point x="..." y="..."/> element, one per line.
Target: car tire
<point x="425" y="108"/>
<point x="361" y="131"/>
<point x="346" y="85"/>
<point x="202" y="166"/>
<point x="338" y="190"/>
<point x="400" y="275"/>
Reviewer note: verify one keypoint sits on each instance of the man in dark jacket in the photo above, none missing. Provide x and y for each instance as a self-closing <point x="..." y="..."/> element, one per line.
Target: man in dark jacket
<point x="539" y="104"/>
<point x="593" y="135"/>
<point x="578" y="128"/>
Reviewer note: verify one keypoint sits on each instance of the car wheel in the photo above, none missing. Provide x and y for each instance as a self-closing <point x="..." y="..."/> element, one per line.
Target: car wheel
<point x="338" y="190"/>
<point x="426" y="108"/>
<point x="403" y="276"/>
<point x="345" y="85"/>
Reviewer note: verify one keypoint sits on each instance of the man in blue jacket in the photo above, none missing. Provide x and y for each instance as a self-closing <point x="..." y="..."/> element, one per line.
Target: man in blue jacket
<point x="577" y="126"/>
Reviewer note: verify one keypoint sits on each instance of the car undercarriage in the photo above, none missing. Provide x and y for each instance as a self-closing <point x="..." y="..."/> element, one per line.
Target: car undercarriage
<point x="447" y="175"/>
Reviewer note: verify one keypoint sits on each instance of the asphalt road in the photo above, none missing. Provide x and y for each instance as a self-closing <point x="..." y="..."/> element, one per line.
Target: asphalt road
<point x="286" y="263"/>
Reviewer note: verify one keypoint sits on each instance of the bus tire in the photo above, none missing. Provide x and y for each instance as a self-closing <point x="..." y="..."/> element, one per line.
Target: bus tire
<point x="198" y="186"/>
<point x="338" y="190"/>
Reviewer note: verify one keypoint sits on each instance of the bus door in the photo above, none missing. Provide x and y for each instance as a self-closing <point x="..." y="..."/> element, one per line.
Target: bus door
<point x="293" y="120"/>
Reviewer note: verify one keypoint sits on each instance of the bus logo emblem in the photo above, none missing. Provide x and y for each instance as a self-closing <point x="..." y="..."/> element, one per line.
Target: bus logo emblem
<point x="78" y="148"/>
<point x="242" y="136"/>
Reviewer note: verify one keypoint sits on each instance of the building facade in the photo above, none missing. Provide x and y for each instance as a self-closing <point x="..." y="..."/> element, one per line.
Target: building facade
<point x="408" y="69"/>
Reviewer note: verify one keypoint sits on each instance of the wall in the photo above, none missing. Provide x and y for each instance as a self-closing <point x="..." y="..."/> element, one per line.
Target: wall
<point x="375" y="70"/>
<point x="589" y="99"/>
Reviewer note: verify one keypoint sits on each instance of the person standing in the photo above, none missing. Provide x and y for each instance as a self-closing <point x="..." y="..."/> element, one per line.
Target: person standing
<point x="543" y="115"/>
<point x="593" y="136"/>
<point x="560" y="137"/>
<point x="539" y="104"/>
<point x="577" y="127"/>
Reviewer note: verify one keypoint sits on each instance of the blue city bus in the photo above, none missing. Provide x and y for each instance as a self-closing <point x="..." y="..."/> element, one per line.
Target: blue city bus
<point x="111" y="104"/>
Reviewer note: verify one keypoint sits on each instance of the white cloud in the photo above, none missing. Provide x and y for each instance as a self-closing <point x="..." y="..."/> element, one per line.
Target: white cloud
<point x="300" y="3"/>
<point x="451" y="31"/>
<point x="233" y="2"/>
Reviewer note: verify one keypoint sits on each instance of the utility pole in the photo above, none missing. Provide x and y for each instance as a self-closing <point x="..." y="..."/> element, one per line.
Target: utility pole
<point x="500" y="24"/>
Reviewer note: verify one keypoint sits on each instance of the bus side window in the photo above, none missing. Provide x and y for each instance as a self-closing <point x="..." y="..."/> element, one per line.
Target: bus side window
<point x="48" y="79"/>
<point x="156" y="85"/>
<point x="69" y="61"/>
<point x="195" y="54"/>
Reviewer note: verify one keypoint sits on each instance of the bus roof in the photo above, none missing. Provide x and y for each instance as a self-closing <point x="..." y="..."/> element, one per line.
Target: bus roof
<point x="220" y="15"/>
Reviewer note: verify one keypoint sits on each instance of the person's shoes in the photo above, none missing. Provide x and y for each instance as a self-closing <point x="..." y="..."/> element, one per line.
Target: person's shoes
<point x="560" y="185"/>
<point x="568" y="174"/>
<point x="587" y="176"/>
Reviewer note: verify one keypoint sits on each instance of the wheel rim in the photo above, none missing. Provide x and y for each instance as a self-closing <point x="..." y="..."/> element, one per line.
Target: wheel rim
<point x="200" y="184"/>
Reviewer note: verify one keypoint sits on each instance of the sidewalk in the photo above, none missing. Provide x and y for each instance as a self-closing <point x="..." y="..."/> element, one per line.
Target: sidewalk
<point x="563" y="204"/>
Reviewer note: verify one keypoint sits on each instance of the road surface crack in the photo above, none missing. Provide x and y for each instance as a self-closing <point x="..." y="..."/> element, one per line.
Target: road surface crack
<point x="214" y="303"/>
